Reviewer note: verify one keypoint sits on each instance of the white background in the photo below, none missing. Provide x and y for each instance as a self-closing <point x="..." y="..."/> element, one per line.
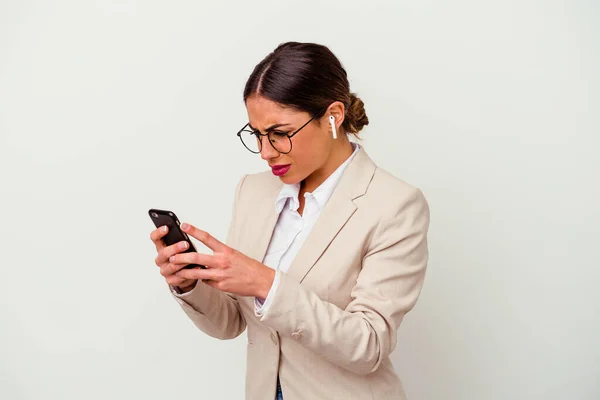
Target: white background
<point x="109" y="108"/>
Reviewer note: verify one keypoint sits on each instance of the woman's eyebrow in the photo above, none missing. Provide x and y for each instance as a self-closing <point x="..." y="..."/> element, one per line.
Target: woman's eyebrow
<point x="269" y="129"/>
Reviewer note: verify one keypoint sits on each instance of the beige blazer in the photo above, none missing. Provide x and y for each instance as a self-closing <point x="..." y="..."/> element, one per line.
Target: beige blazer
<point x="332" y="324"/>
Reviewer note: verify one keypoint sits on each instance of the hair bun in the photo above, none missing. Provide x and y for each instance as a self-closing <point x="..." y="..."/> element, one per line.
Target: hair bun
<point x="356" y="117"/>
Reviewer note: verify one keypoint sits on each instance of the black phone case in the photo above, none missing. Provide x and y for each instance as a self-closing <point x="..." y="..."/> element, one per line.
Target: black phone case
<point x="175" y="234"/>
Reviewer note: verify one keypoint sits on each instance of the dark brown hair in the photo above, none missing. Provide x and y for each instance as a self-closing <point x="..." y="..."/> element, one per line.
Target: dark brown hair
<point x="307" y="77"/>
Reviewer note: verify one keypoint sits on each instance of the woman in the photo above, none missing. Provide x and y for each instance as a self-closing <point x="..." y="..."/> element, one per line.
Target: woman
<point x="325" y="253"/>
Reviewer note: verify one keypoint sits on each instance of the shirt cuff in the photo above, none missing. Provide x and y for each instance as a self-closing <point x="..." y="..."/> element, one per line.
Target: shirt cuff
<point x="178" y="293"/>
<point x="261" y="306"/>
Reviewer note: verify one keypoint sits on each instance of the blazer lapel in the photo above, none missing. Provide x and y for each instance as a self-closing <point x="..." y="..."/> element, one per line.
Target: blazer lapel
<point x="340" y="207"/>
<point x="262" y="224"/>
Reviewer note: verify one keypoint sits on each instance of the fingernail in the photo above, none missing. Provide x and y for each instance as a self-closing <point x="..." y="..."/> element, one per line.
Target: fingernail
<point x="183" y="245"/>
<point x="163" y="229"/>
<point x="171" y="259"/>
<point x="184" y="226"/>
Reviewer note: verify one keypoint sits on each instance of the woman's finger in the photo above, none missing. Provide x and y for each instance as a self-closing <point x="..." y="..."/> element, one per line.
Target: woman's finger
<point x="157" y="235"/>
<point x="207" y="260"/>
<point x="169" y="269"/>
<point x="166" y="252"/>
<point x="204" y="237"/>
<point x="199" y="274"/>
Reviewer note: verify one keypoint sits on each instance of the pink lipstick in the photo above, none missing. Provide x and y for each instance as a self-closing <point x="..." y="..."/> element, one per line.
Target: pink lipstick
<point x="280" y="170"/>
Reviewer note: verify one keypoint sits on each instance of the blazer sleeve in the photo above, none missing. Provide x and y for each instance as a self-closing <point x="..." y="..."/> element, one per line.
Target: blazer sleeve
<point x="359" y="337"/>
<point x="214" y="312"/>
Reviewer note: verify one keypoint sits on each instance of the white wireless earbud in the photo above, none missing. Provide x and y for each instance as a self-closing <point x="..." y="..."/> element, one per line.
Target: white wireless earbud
<point x="332" y="122"/>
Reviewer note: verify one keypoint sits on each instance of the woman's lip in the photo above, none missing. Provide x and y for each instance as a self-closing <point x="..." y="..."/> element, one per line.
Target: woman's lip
<point x="280" y="170"/>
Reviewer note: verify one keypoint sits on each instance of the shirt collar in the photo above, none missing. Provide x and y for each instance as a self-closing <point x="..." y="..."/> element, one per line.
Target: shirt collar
<point x="289" y="193"/>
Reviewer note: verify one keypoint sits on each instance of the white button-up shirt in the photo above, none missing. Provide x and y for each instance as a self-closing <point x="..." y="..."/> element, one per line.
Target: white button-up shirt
<point x="292" y="229"/>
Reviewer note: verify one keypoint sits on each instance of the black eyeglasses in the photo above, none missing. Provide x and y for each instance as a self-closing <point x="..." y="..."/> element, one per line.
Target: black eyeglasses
<point x="281" y="141"/>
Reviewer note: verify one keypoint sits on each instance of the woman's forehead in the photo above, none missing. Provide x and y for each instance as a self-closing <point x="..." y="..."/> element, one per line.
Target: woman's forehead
<point x="264" y="113"/>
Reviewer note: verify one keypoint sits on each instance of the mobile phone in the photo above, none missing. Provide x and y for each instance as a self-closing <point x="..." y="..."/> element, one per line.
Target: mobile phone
<point x="175" y="234"/>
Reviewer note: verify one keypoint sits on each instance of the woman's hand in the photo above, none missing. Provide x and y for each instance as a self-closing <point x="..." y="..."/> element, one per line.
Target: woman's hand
<point x="227" y="269"/>
<point x="168" y="269"/>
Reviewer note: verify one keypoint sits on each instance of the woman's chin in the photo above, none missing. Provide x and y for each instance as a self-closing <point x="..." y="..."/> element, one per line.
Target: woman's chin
<point x="290" y="179"/>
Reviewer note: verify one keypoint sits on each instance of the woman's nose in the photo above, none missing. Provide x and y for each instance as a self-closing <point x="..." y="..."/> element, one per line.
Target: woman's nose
<point x="267" y="151"/>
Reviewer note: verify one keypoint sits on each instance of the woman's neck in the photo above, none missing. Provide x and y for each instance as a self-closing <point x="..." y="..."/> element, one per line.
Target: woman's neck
<point x="338" y="156"/>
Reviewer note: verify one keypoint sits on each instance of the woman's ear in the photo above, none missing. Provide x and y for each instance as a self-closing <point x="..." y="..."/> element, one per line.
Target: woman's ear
<point x="338" y="111"/>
